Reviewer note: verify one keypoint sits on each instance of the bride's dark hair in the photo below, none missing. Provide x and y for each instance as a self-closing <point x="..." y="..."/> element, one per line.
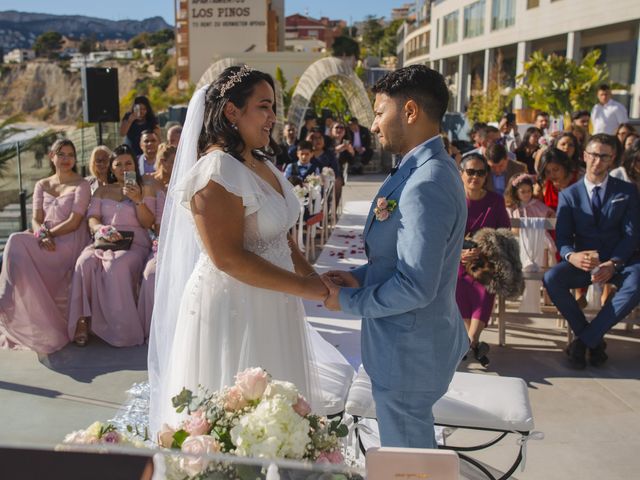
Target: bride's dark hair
<point x="217" y="130"/>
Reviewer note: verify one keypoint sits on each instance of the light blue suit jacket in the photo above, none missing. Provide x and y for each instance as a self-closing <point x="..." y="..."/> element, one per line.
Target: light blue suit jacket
<point x="413" y="336"/>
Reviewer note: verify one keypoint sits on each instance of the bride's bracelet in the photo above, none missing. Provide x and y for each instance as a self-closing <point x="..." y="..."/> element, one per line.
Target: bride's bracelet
<point x="104" y="232"/>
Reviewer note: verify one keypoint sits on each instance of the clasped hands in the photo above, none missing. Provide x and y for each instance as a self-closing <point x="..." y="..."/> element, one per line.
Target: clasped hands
<point x="588" y="260"/>
<point x="326" y="287"/>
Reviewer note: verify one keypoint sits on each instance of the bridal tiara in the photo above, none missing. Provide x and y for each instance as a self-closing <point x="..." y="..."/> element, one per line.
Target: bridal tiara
<point x="234" y="79"/>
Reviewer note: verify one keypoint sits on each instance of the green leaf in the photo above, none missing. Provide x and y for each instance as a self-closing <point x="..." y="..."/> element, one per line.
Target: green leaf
<point x="178" y="438"/>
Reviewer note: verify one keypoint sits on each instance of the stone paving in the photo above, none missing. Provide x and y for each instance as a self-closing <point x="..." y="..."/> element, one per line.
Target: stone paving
<point x="591" y="418"/>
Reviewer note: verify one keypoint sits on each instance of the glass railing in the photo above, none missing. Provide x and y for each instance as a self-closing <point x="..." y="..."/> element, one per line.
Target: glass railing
<point x="24" y="160"/>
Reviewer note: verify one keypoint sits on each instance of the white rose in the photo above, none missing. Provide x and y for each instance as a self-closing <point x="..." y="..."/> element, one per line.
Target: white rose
<point x="285" y="389"/>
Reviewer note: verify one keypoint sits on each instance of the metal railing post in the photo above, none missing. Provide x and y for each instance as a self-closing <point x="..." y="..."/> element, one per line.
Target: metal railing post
<point x="22" y="193"/>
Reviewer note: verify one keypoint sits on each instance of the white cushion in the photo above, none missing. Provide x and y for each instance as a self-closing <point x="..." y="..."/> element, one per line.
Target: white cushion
<point x="473" y="400"/>
<point x="335" y="380"/>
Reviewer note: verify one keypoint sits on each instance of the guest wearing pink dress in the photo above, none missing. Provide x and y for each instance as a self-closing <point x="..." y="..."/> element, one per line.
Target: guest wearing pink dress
<point x="105" y="282"/>
<point x="485" y="210"/>
<point x="160" y="181"/>
<point x="37" y="269"/>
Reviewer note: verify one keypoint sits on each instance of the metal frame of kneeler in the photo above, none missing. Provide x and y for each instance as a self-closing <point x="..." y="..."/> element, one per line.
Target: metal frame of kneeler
<point x="524" y="437"/>
<point x="478" y="402"/>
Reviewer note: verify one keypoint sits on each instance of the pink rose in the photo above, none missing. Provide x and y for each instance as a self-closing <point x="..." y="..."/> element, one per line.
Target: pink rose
<point x="165" y="436"/>
<point x="382" y="215"/>
<point x="200" y="446"/>
<point x="302" y="407"/>
<point x="252" y="383"/>
<point x="234" y="400"/>
<point x="197" y="424"/>
<point x="382" y="203"/>
<point x="330" y="457"/>
<point x="111" y="437"/>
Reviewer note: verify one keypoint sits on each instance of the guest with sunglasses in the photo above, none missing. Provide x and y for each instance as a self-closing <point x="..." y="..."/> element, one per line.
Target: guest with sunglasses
<point x="486" y="209"/>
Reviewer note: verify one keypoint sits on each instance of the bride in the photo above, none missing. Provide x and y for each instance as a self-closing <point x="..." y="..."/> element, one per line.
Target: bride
<point x="229" y="281"/>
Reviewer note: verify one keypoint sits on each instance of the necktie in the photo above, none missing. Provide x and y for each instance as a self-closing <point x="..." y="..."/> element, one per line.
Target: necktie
<point x="596" y="203"/>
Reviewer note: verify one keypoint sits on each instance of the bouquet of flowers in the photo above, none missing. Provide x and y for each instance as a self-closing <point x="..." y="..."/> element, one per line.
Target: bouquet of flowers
<point x="313" y="180"/>
<point x="257" y="417"/>
<point x="99" y="433"/>
<point x="301" y="191"/>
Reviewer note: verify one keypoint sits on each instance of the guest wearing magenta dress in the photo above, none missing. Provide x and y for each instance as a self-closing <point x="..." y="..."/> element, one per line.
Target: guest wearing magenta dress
<point x="37" y="268"/>
<point x="160" y="181"/>
<point x="485" y="210"/>
<point x="105" y="282"/>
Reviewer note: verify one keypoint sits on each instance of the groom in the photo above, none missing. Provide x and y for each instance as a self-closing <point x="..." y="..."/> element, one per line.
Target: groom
<point x="412" y="334"/>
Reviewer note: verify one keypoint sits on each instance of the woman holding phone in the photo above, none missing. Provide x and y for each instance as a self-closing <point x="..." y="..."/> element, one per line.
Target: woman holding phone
<point x="107" y="273"/>
<point x="139" y="119"/>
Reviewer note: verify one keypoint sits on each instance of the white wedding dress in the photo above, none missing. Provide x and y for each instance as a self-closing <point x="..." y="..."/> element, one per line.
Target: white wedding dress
<point x="224" y="325"/>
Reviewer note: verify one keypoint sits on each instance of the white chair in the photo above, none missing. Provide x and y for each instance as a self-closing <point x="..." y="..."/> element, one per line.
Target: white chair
<point x="474" y="401"/>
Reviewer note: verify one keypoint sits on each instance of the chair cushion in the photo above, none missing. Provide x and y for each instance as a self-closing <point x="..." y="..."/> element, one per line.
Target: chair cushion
<point x="335" y="380"/>
<point x="472" y="401"/>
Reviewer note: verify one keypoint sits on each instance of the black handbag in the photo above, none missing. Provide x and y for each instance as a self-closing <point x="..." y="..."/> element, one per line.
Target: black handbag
<point x="124" y="244"/>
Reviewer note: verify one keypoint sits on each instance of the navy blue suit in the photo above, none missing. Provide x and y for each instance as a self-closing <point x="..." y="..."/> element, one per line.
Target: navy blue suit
<point x="615" y="236"/>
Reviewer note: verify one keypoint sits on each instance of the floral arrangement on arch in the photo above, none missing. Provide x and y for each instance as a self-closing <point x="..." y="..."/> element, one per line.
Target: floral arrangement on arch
<point x="256" y="417"/>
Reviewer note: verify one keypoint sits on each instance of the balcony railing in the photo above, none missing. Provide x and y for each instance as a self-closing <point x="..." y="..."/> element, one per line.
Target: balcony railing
<point x="418" y="52"/>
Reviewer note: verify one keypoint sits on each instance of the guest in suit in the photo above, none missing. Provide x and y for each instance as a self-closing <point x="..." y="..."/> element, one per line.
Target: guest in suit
<point x="37" y="267"/>
<point x="597" y="234"/>
<point x="297" y="172"/>
<point x="413" y="336"/>
<point x="362" y="144"/>
<point x="501" y="168"/>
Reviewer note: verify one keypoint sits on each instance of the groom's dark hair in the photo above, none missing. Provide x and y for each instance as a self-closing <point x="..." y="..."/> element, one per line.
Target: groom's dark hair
<point x="419" y="83"/>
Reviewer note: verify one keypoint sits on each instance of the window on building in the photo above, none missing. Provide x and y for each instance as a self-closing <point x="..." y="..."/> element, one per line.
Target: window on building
<point x="533" y="4"/>
<point x="437" y="33"/>
<point x="474" y="19"/>
<point x="450" y="28"/>
<point x="503" y="14"/>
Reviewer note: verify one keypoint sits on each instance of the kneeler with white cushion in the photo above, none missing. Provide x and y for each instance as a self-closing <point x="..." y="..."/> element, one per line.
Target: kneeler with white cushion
<point x="473" y="401"/>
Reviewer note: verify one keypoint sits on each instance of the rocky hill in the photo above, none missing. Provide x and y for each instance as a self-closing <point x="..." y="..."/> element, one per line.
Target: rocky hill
<point x="47" y="91"/>
<point x="20" y="29"/>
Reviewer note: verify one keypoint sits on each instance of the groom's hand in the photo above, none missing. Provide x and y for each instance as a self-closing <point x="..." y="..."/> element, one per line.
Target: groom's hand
<point x="343" y="279"/>
<point x="332" y="302"/>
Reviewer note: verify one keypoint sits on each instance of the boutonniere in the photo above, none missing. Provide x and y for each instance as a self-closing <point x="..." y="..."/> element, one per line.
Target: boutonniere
<point x="384" y="208"/>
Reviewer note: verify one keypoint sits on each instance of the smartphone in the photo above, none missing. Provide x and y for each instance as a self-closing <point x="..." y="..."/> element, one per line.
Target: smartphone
<point x="136" y="109"/>
<point x="129" y="178"/>
<point x="346" y="142"/>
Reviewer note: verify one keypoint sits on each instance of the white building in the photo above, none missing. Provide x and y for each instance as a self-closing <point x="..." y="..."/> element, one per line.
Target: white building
<point x="465" y="36"/>
<point x="19" y="55"/>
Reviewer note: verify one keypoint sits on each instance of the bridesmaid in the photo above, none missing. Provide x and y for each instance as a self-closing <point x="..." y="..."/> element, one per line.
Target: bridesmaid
<point x="37" y="269"/>
<point x="99" y="167"/>
<point x="105" y="282"/>
<point x="162" y="175"/>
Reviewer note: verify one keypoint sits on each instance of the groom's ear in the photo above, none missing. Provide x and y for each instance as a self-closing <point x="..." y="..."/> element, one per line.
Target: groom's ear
<point x="410" y="111"/>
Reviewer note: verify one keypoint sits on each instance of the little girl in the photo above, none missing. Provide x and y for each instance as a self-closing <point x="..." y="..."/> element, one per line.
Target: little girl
<point x="519" y="199"/>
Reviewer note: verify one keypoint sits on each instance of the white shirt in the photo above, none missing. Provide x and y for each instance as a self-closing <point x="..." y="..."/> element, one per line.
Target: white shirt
<point x="404" y="159"/>
<point x="590" y="186"/>
<point x="606" y="118"/>
<point x="357" y="141"/>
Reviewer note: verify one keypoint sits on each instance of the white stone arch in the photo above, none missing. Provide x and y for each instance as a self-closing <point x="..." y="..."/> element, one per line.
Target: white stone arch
<point x="339" y="72"/>
<point x="216" y="69"/>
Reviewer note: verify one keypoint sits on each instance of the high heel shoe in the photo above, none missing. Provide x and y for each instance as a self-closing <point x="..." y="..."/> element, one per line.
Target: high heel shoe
<point x="81" y="338"/>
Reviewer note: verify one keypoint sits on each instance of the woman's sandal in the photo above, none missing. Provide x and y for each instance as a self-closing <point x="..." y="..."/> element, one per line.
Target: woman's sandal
<point x="81" y="337"/>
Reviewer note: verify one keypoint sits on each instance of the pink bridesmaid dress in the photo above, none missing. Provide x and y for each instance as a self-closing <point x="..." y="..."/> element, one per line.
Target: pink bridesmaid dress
<point x="147" y="286"/>
<point x="105" y="282"/>
<point x="34" y="283"/>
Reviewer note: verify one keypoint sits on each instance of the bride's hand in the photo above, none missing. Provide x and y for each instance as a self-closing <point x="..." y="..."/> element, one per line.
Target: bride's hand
<point x="314" y="288"/>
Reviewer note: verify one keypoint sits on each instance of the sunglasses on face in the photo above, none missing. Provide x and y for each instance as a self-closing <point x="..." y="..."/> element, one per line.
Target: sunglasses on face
<point x="471" y="172"/>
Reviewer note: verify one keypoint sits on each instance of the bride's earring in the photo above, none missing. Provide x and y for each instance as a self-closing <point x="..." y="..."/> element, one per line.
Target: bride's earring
<point x="234" y="126"/>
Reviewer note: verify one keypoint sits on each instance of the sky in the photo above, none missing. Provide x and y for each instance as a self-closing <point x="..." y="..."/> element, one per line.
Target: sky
<point x="349" y="10"/>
